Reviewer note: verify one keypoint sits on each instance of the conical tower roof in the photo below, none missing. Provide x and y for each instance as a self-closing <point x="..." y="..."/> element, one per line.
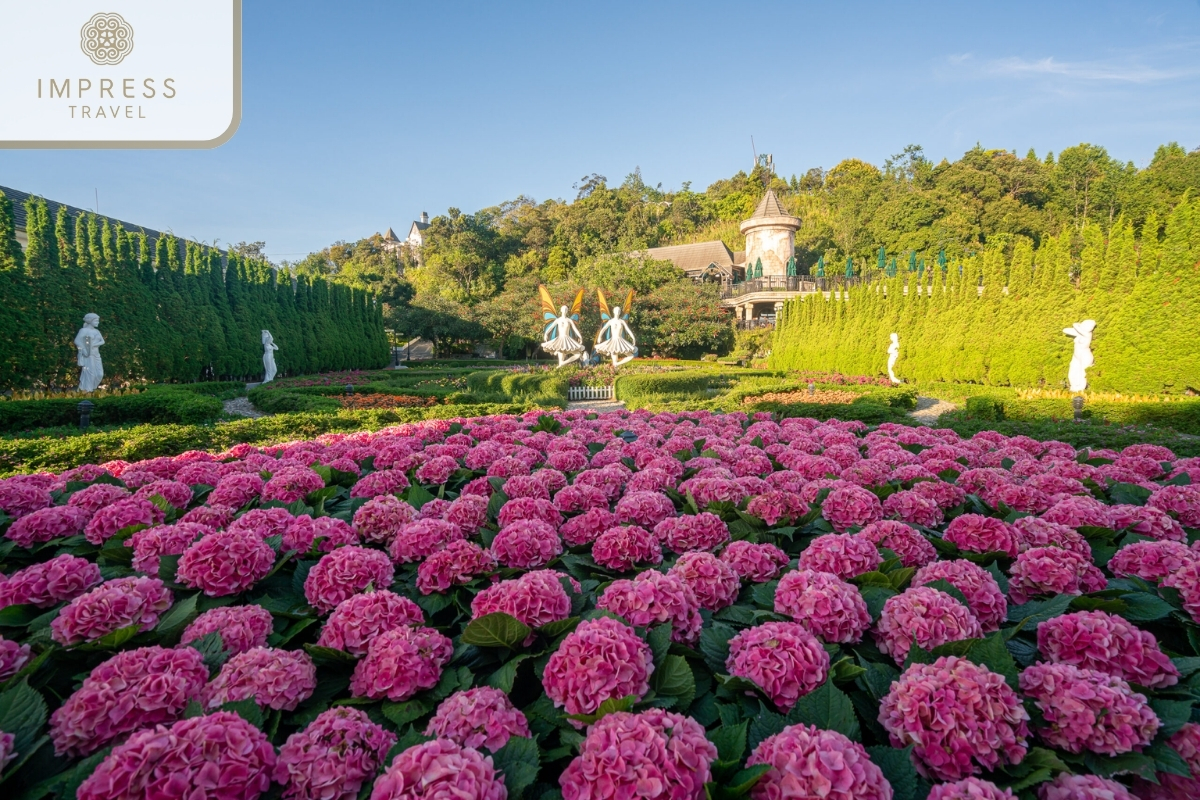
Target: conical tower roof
<point x="770" y="213"/>
<point x="769" y="206"/>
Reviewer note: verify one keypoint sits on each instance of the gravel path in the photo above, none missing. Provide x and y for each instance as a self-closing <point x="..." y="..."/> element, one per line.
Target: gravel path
<point x="242" y="407"/>
<point x="598" y="406"/>
<point x="929" y="409"/>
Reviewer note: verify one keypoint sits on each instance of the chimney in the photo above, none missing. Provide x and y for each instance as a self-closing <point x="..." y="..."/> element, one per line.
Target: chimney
<point x="424" y="217"/>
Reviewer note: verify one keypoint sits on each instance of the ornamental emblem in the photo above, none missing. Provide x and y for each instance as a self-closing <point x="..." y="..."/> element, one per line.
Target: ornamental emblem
<point x="106" y="39"/>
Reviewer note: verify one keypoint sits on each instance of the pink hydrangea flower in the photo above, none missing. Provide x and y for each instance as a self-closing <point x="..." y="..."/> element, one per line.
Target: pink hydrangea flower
<point x="1187" y="581"/>
<point x="215" y="757"/>
<point x="1147" y="521"/>
<point x="214" y="517"/>
<point x="8" y="752"/>
<point x="111" y="606"/>
<point x="714" y="582"/>
<point x="824" y="604"/>
<point x="236" y="490"/>
<point x="479" y="717"/>
<point x="459" y="563"/>
<point x="1181" y="502"/>
<point x="421" y="539"/>
<point x="358" y="619"/>
<point x="401" y="662"/>
<point x="960" y="717"/>
<point x="1151" y="561"/>
<point x="20" y="497"/>
<point x="1052" y="570"/>
<point x="621" y="548"/>
<point x="535" y="598"/>
<point x="774" y="507"/>
<point x="529" y="508"/>
<point x="344" y="573"/>
<point x="600" y="660"/>
<point x="1066" y="786"/>
<point x="652" y="598"/>
<point x="1088" y="710"/>
<point x="841" y="554"/>
<point x="910" y="506"/>
<point x="1077" y="512"/>
<point x="1037" y="532"/>
<point x="13" y="656"/>
<point x="263" y="522"/>
<point x="946" y="495"/>
<point x="651" y="754"/>
<point x="278" y="679"/>
<point x="128" y="692"/>
<point x="48" y="523"/>
<point x="47" y="584"/>
<point x="756" y="563"/>
<point x="923" y="616"/>
<point x="526" y="544"/>
<point x="225" y="563"/>
<point x="646" y="509"/>
<point x="333" y="757"/>
<point x="437" y="470"/>
<point x="1186" y="742"/>
<point x="241" y="627"/>
<point x="808" y="762"/>
<point x="95" y="497"/>
<point x="380" y="518"/>
<point x="586" y="527"/>
<point x="703" y="531"/>
<point x="976" y="533"/>
<point x="326" y="533"/>
<point x="150" y="543"/>
<point x="580" y="498"/>
<point x="849" y="507"/>
<point x="781" y="658"/>
<point x="970" y="789"/>
<point x="440" y="769"/>
<point x="123" y="514"/>
<point x="983" y="594"/>
<point x="290" y="484"/>
<point x="175" y="493"/>
<point x="1106" y="643"/>
<point x="468" y="512"/>
<point x="380" y="483"/>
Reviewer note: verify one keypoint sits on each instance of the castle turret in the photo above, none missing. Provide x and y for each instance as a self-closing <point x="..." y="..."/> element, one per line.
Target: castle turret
<point x="770" y="236"/>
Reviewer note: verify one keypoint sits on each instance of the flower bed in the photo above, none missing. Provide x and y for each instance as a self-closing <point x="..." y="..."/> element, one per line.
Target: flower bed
<point x="376" y="400"/>
<point x="825" y="396"/>
<point x="617" y="605"/>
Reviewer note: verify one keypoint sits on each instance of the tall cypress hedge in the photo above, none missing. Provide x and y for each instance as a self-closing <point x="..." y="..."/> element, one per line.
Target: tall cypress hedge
<point x="997" y="318"/>
<point x="170" y="311"/>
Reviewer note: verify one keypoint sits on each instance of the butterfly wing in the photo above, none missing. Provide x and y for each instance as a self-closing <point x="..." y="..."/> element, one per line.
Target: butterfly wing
<point x="577" y="305"/>
<point x="628" y="303"/>
<point x="605" y="314"/>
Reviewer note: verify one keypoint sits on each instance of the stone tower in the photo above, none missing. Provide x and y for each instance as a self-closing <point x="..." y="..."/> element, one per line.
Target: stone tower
<point x="770" y="235"/>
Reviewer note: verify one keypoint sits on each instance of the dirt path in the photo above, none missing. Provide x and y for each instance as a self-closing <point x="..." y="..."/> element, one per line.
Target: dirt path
<point x="599" y="406"/>
<point x="929" y="409"/>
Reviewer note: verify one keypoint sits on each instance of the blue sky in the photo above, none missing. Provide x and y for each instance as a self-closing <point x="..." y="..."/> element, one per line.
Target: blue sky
<point x="359" y="115"/>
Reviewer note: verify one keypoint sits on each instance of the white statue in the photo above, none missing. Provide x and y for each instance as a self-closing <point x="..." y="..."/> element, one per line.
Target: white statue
<point x="893" y="354"/>
<point x="615" y="338"/>
<point x="269" y="348"/>
<point x="561" y="335"/>
<point x="1082" y="357"/>
<point x="88" y="342"/>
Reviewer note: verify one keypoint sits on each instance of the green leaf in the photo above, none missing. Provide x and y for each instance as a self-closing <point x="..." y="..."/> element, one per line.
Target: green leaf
<point x="1128" y="494"/>
<point x="113" y="640"/>
<point x="212" y="648"/>
<point x="1145" y="607"/>
<point x="875" y="597"/>
<point x="764" y="724"/>
<point x="495" y="503"/>
<point x="659" y="640"/>
<point x="328" y="656"/>
<point x="950" y="589"/>
<point x="763" y="594"/>
<point x="496" y="630"/>
<point x="846" y="670"/>
<point x="23" y="712"/>
<point x="829" y="708"/>
<point x="609" y="706"/>
<point x="897" y="766"/>
<point x="417" y="496"/>
<point x="18" y="616"/>
<point x="1038" y="611"/>
<point x="246" y="709"/>
<point x="1167" y="759"/>
<point x="504" y="677"/>
<point x="519" y="760"/>
<point x="998" y="576"/>
<point x="714" y="645"/>
<point x="993" y="654"/>
<point x="730" y="741"/>
<point x="1106" y="766"/>
<point x="180" y="615"/>
<point x="742" y="782"/>
<point x="1173" y="714"/>
<point x="403" y="713"/>
<point x="674" y="678"/>
<point x="553" y="630"/>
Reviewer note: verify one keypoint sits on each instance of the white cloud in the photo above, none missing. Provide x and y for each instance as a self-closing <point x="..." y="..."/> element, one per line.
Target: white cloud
<point x="1098" y="71"/>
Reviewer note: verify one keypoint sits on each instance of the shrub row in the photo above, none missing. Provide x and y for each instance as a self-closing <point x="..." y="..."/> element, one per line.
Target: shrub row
<point x="150" y="441"/>
<point x="501" y="386"/>
<point x="700" y="384"/>
<point x="1181" y="415"/>
<point x="187" y="404"/>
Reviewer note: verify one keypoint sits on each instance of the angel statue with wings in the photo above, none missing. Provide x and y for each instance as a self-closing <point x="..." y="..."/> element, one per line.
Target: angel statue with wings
<point x="615" y="338"/>
<point x="561" y="336"/>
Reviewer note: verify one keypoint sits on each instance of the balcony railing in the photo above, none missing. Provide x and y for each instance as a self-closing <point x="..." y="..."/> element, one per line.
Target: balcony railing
<point x="765" y="321"/>
<point x="799" y="283"/>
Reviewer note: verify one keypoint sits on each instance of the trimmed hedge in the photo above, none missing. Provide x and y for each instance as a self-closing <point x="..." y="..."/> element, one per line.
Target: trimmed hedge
<point x="1089" y="433"/>
<point x="503" y="386"/>
<point x="160" y="404"/>
<point x="151" y="441"/>
<point x="1180" y="415"/>
<point x="699" y="384"/>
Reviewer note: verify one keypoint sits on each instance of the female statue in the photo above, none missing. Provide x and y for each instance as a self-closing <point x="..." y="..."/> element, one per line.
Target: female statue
<point x="561" y="335"/>
<point x="615" y="338"/>
<point x="893" y="354"/>
<point x="88" y="342"/>
<point x="1082" y="358"/>
<point x="269" y="349"/>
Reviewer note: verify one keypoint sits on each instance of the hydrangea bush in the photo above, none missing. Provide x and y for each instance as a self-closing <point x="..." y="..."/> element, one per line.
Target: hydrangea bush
<point x="626" y="605"/>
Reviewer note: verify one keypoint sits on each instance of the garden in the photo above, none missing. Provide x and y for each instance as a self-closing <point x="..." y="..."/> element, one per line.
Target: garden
<point x="540" y="604"/>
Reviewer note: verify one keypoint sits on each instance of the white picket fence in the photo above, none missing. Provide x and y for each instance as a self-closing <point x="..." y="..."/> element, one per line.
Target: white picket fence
<point x="589" y="392"/>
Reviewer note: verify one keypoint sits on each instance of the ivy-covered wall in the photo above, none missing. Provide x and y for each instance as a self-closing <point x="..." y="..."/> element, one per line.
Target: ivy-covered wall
<point x="177" y="311"/>
<point x="1143" y="291"/>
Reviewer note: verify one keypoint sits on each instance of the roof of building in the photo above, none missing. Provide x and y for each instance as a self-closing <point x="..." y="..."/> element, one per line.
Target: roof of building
<point x="419" y="225"/>
<point x="18" y="198"/>
<point x="693" y="257"/>
<point x="769" y="206"/>
<point x="390" y="236"/>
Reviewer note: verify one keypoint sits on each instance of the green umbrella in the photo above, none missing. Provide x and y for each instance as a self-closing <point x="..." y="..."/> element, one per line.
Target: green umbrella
<point x="821" y="267"/>
<point x="791" y="267"/>
<point x="849" y="266"/>
<point x="921" y="267"/>
<point x="891" y="268"/>
<point x="882" y="260"/>
<point x="942" y="259"/>
<point x="912" y="260"/>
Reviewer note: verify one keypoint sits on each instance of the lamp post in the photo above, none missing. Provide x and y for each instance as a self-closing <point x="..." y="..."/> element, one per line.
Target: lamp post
<point x="85" y="414"/>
